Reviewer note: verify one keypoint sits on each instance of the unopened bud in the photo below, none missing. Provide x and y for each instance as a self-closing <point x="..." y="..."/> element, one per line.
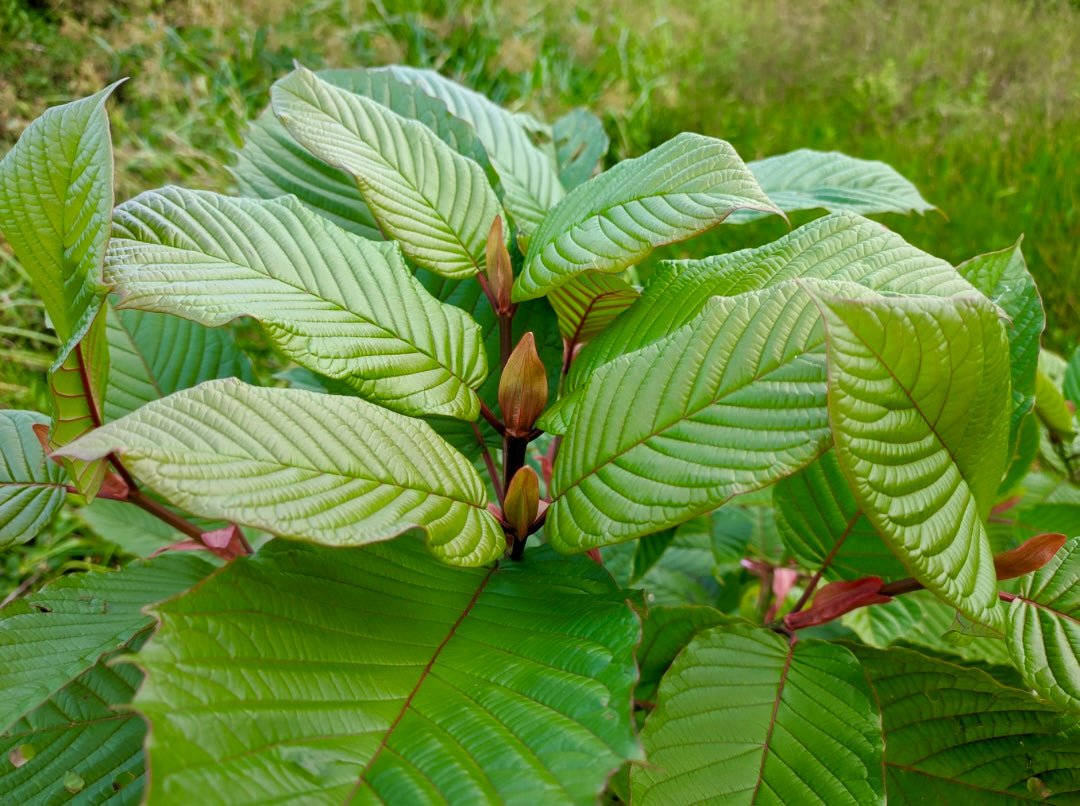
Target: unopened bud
<point x="523" y="388"/>
<point x="500" y="273"/>
<point x="522" y="501"/>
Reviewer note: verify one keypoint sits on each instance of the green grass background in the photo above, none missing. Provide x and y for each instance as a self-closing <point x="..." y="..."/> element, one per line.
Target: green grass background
<point x="976" y="101"/>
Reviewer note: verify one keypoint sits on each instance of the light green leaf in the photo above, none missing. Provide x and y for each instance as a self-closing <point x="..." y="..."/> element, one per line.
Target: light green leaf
<point x="580" y="143"/>
<point x="836" y="247"/>
<point x="1051" y="408"/>
<point x="76" y="746"/>
<point x="377" y="675"/>
<point x="589" y="303"/>
<point x="437" y="203"/>
<point x="680" y="189"/>
<point x="153" y="355"/>
<point x="1044" y="628"/>
<point x="50" y="637"/>
<point x="527" y="172"/>
<point x="337" y="304"/>
<point x="919" y="408"/>
<point x="1004" y="278"/>
<point x="665" y="633"/>
<point x="31" y="484"/>
<point x="956" y="735"/>
<point x="55" y="197"/>
<point x="728" y="404"/>
<point x="1071" y="384"/>
<point x="745" y="716"/>
<point x="816" y="511"/>
<point x="133" y="530"/>
<point x="78" y="380"/>
<point x="808" y="180"/>
<point x="333" y="470"/>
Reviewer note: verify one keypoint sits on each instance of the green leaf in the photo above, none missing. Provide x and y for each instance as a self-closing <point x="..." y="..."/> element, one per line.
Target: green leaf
<point x="580" y="143"/>
<point x="957" y="735"/>
<point x="816" y="511"/>
<point x="648" y="550"/>
<point x="1071" y="385"/>
<point x="339" y="305"/>
<point x="78" y="381"/>
<point x="1044" y="628"/>
<point x="76" y="746"/>
<point x="665" y="633"/>
<point x="589" y="303"/>
<point x="747" y="716"/>
<point x="836" y="247"/>
<point x="50" y="637"/>
<point x="31" y="485"/>
<point x="55" y="198"/>
<point x="153" y="355"/>
<point x="333" y="470"/>
<point x="808" y="180"/>
<point x="133" y="530"/>
<point x="726" y="405"/>
<point x="378" y="675"/>
<point x="680" y="189"/>
<point x="1004" y="278"/>
<point x="437" y="203"/>
<point x="919" y="408"/>
<point x="526" y="171"/>
<point x="1051" y="408"/>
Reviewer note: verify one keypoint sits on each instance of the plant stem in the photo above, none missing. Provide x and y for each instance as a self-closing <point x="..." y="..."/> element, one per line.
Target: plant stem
<point x="816" y="579"/>
<point x="141" y="500"/>
<point x="492" y="472"/>
<point x="513" y="461"/>
<point x="900" y="587"/>
<point x="493" y="421"/>
<point x="506" y="339"/>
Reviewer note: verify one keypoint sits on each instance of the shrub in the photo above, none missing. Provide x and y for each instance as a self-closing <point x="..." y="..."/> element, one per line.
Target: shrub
<point x="793" y="511"/>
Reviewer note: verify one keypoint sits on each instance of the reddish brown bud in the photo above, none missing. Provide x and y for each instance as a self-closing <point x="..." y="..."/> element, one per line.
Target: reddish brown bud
<point x="522" y="501"/>
<point x="836" y="599"/>
<point x="1031" y="555"/>
<point x="499" y="272"/>
<point x="523" y="388"/>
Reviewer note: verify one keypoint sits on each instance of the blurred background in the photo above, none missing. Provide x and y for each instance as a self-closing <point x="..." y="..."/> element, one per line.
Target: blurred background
<point x="976" y="101"/>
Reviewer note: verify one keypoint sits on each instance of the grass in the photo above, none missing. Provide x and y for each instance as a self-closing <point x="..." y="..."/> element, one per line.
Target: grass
<point x="977" y="103"/>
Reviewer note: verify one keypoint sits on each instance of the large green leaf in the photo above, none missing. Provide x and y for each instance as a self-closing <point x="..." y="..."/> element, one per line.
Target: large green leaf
<point x="819" y="520"/>
<point x="437" y="203"/>
<point x="52" y="636"/>
<point x="152" y="355"/>
<point x="666" y="632"/>
<point x="76" y="746"/>
<point x="726" y="405"/>
<point x="527" y="172"/>
<point x="957" y="735"/>
<point x="379" y="676"/>
<point x="1044" y="628"/>
<point x="334" y="470"/>
<point x="580" y="143"/>
<point x="589" y="303"/>
<point x="808" y="180"/>
<point x="836" y="247"/>
<point x="1004" y="278"/>
<point x="919" y="408"/>
<point x="745" y="716"/>
<point x="31" y="485"/>
<point x="335" y="303"/>
<point x="55" y="197"/>
<point x="679" y="189"/>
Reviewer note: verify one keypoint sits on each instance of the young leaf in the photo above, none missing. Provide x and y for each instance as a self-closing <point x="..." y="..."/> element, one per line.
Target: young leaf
<point x="76" y="746"/>
<point x="819" y="520"/>
<point x="589" y="303"/>
<point x="957" y="735"/>
<point x="52" y="636"/>
<point x="31" y="485"/>
<point x="678" y="190"/>
<point x="400" y="681"/>
<point x="55" y="198"/>
<point x="1003" y="277"/>
<point x="808" y="180"/>
<point x="836" y="247"/>
<point x="580" y="143"/>
<point x="726" y="405"/>
<point x="337" y="304"/>
<point x="1044" y="628"/>
<point x="527" y="173"/>
<point x="745" y="715"/>
<point x="437" y="203"/>
<point x="299" y="464"/>
<point x="918" y="403"/>
<point x="152" y="355"/>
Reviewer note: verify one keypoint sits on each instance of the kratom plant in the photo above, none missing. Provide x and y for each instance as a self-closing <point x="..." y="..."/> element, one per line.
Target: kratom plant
<point x="783" y="525"/>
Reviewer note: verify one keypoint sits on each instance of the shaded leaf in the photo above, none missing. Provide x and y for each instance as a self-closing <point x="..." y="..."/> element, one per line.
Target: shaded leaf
<point x="31" y="485"/>
<point x="665" y="633"/>
<point x="589" y="303"/>
<point x="580" y="144"/>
